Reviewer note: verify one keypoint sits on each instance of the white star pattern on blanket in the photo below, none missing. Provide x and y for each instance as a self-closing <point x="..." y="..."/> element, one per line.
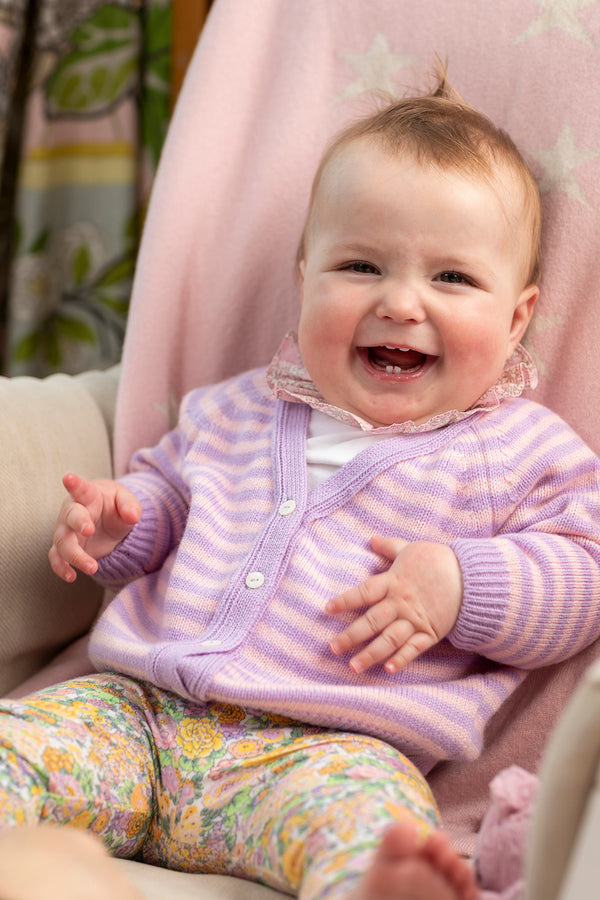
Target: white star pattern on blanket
<point x="375" y="68"/>
<point x="562" y="14"/>
<point x="560" y="162"/>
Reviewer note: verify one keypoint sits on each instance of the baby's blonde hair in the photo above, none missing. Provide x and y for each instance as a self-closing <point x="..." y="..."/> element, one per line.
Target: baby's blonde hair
<point x="440" y="129"/>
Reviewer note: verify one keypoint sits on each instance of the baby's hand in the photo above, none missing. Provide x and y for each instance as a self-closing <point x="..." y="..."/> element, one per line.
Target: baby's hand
<point x="91" y="522"/>
<point x="410" y="607"/>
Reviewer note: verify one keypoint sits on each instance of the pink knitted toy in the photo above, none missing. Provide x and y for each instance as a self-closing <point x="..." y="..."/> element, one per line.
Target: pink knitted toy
<point x="502" y="839"/>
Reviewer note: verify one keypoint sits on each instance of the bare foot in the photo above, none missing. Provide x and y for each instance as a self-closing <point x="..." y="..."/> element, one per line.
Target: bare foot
<point x="408" y="868"/>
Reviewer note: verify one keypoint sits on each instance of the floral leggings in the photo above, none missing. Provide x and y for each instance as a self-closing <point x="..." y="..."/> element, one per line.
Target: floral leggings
<point x="205" y="787"/>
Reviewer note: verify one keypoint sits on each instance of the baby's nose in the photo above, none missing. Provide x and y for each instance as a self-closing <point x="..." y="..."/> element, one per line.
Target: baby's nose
<point x="402" y="303"/>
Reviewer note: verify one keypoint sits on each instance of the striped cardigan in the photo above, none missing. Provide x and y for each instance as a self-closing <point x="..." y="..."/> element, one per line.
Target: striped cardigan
<point x="222" y="584"/>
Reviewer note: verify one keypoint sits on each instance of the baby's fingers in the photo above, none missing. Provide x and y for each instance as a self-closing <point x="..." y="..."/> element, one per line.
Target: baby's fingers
<point x="416" y="644"/>
<point x="66" y="554"/>
<point x="376" y="621"/>
<point x="78" y="519"/>
<point x="365" y="593"/>
<point x="82" y="491"/>
<point x="395" y="646"/>
<point x="127" y="506"/>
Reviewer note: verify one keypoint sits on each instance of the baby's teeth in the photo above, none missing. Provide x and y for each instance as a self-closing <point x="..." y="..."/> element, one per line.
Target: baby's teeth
<point x="393" y="370"/>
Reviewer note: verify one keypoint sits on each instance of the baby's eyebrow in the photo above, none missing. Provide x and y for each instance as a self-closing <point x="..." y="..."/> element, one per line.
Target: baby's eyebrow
<point x="358" y="248"/>
<point x="456" y="262"/>
<point x="462" y="263"/>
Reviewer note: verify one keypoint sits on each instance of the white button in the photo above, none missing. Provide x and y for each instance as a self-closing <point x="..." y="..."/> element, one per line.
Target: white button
<point x="255" y="580"/>
<point x="287" y="507"/>
<point x="213" y="643"/>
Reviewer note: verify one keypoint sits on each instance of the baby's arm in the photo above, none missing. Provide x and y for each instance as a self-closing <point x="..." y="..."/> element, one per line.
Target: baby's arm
<point x="410" y="607"/>
<point x="96" y="517"/>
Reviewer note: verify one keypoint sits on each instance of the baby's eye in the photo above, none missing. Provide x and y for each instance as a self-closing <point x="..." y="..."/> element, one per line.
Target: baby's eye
<point x="452" y="278"/>
<point x="362" y="268"/>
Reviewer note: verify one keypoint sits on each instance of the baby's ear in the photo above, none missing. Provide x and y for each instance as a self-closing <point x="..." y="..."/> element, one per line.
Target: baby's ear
<point x="522" y="315"/>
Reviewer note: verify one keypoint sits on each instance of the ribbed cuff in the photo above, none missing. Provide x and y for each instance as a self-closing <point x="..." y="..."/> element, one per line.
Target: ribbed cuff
<point x="132" y="557"/>
<point x="486" y="592"/>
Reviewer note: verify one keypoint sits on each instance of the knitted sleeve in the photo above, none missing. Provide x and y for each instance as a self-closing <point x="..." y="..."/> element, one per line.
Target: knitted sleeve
<point x="532" y="589"/>
<point x="157" y="479"/>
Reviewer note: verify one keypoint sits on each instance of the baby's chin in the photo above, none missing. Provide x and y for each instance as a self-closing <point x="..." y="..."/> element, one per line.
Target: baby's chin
<point x="409" y="416"/>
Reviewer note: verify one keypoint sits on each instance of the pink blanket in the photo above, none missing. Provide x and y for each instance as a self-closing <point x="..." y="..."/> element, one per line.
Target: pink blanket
<point x="216" y="287"/>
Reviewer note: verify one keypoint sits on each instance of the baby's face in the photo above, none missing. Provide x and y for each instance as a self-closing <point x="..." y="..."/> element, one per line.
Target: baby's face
<point x="412" y="286"/>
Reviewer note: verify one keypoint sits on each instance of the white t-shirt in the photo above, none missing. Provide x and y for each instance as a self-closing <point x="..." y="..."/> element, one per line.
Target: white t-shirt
<point x="330" y="444"/>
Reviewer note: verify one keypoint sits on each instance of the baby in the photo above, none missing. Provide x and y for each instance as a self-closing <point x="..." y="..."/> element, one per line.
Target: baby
<point x="333" y="571"/>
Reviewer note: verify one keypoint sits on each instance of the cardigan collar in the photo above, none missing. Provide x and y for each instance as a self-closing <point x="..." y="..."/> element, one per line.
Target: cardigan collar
<point x="289" y="380"/>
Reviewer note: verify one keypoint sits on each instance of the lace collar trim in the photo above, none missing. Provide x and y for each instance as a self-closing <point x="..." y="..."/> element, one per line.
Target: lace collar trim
<point x="289" y="380"/>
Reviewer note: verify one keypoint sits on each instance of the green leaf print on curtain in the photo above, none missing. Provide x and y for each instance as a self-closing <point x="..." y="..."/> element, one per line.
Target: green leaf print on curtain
<point x="156" y="85"/>
<point x="97" y="114"/>
<point x="102" y="66"/>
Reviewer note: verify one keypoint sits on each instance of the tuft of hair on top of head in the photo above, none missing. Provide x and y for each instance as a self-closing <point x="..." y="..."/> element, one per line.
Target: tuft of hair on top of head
<point x="439" y="128"/>
<point x="443" y="87"/>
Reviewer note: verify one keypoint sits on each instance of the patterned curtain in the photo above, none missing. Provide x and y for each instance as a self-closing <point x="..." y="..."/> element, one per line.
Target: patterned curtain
<point x="84" y="106"/>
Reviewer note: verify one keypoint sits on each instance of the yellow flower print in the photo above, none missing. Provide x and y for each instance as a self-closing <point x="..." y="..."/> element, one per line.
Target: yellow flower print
<point x="96" y="757"/>
<point x="221" y="792"/>
<point x="101" y="822"/>
<point x="286" y="763"/>
<point x="136" y="825"/>
<point x="266" y="791"/>
<point x="139" y="800"/>
<point x="57" y="760"/>
<point x="355" y="747"/>
<point x="276" y="719"/>
<point x="198" y="737"/>
<point x="335" y="766"/>
<point x="265" y="839"/>
<point x="42" y="716"/>
<point x="19" y="818"/>
<point x="292" y="862"/>
<point x="82" y="820"/>
<point x="81" y="707"/>
<point x="293" y="824"/>
<point x="227" y="714"/>
<point x="244" y="749"/>
<point x="188" y="828"/>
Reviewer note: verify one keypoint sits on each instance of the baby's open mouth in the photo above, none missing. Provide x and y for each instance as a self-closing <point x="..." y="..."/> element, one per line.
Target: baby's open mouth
<point x="396" y="360"/>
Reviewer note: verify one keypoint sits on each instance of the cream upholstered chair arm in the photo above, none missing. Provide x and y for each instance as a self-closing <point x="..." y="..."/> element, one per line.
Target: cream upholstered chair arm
<point x="49" y="426"/>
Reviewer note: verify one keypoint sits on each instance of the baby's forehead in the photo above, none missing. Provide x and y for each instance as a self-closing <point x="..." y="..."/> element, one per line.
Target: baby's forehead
<point x="362" y="159"/>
